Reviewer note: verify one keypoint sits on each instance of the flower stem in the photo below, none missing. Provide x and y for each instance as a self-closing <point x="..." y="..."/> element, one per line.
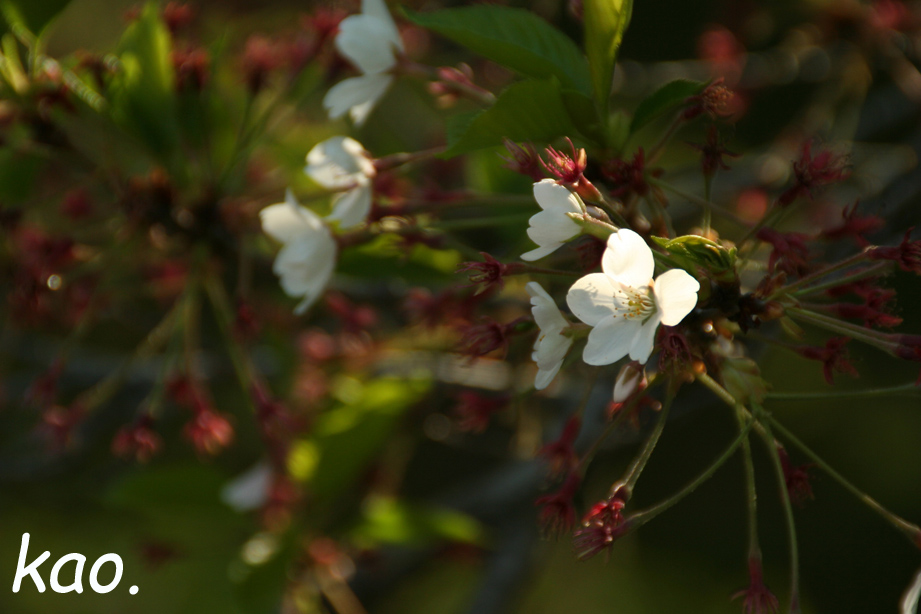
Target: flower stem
<point x="912" y="531"/>
<point x="870" y="271"/>
<point x="706" y="203"/>
<point x="639" y="463"/>
<point x="909" y="388"/>
<point x="817" y="275"/>
<point x="625" y="411"/>
<point x="708" y="210"/>
<point x="640" y="518"/>
<point x="793" y="544"/>
<point x="754" y="548"/>
<point x="659" y="147"/>
<point x="843" y="328"/>
<point x="544" y="271"/>
<point x="396" y="160"/>
<point x="414" y="69"/>
<point x="478" y="222"/>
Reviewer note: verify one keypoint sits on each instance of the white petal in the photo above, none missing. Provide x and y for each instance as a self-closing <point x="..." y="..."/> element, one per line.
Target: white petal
<point x="368" y="43"/>
<point x="540" y="252"/>
<point x="546" y="314"/>
<point x="378" y="9"/>
<point x="644" y="340"/>
<point x="305" y="266"/>
<point x="357" y="96"/>
<point x="249" y="490"/>
<point x="610" y="340"/>
<point x="552" y="196"/>
<point x="339" y="163"/>
<point x="545" y="376"/>
<point x="287" y="221"/>
<point x="548" y="227"/>
<point x="676" y="295"/>
<point x="628" y="381"/>
<point x="552" y="349"/>
<point x="628" y="259"/>
<point x="351" y="208"/>
<point x="591" y="298"/>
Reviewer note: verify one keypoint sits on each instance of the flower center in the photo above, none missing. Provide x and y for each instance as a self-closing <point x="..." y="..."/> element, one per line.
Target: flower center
<point x="635" y="303"/>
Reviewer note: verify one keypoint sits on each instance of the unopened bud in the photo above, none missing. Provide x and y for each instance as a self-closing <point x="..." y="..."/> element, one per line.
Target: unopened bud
<point x="630" y="380"/>
<point x="772" y="311"/>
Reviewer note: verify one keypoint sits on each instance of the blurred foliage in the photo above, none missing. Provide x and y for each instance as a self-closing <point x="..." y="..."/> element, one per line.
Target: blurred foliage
<point x="173" y="137"/>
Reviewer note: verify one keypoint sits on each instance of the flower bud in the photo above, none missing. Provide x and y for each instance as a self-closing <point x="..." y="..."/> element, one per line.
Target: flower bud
<point x="630" y="380"/>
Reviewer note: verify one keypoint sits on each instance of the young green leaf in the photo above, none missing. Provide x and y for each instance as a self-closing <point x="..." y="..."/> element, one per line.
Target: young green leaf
<point x="387" y="520"/>
<point x="605" y="23"/>
<point x="347" y="437"/>
<point x="514" y="38"/>
<point x="144" y="92"/>
<point x="664" y="99"/>
<point x="33" y="15"/>
<point x="530" y="110"/>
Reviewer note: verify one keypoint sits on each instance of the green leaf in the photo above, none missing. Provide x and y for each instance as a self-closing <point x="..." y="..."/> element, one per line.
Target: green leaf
<point x="387" y="520"/>
<point x="584" y="115"/>
<point x="605" y="23"/>
<point x="515" y="38"/>
<point x="346" y="438"/>
<point x="18" y="174"/>
<point x="33" y="15"/>
<point x="664" y="99"/>
<point x="693" y="252"/>
<point x="143" y="97"/>
<point x="526" y="111"/>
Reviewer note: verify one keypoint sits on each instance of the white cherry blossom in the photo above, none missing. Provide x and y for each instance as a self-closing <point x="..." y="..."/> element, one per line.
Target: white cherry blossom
<point x="307" y="258"/>
<point x="624" y="305"/>
<point x="552" y="227"/>
<point x="371" y="42"/>
<point x="552" y="345"/>
<point x="341" y="163"/>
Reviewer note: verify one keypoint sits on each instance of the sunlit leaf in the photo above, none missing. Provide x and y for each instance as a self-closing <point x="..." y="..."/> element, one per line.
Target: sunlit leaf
<point x="693" y="252"/>
<point x="605" y="23"/>
<point x="346" y="437"/>
<point x="33" y="15"/>
<point x="387" y="520"/>
<point x="530" y="110"/>
<point x="515" y="38"/>
<point x="144" y="91"/>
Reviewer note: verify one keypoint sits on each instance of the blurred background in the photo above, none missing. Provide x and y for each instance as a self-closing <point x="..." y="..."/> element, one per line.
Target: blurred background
<point x="437" y="518"/>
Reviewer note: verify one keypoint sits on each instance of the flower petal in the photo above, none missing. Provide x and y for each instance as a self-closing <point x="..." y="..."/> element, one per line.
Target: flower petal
<point x="552" y="349"/>
<point x="378" y="9"/>
<point x="546" y="314"/>
<point x="591" y="298"/>
<point x="610" y="340"/>
<point x="628" y="259"/>
<point x="552" y="196"/>
<point x="287" y="221"/>
<point x="249" y="490"/>
<point x="351" y="208"/>
<point x="551" y="227"/>
<point x="545" y="376"/>
<point x="676" y="295"/>
<point x="644" y="340"/>
<point x="368" y="43"/>
<point x="540" y="252"/>
<point x="339" y="163"/>
<point x="305" y="266"/>
<point x="357" y="96"/>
